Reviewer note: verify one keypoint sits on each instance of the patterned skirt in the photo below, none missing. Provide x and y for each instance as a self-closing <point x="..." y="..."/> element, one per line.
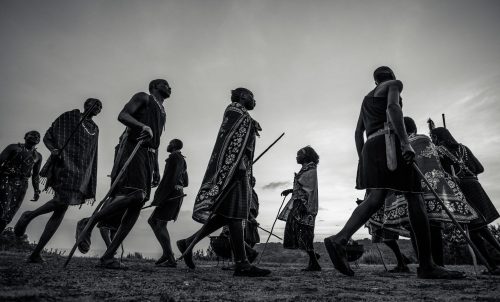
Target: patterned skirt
<point x="12" y="191"/>
<point x="298" y="235"/>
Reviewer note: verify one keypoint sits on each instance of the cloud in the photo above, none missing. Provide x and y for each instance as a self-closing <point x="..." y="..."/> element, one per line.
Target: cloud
<point x="275" y="184"/>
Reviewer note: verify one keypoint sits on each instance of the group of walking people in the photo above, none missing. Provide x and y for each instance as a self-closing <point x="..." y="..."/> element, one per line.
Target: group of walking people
<point x="397" y="201"/>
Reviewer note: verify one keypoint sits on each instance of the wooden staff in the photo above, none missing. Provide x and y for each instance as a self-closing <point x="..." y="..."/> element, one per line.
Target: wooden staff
<point x="444" y="120"/>
<point x="272" y="228"/>
<point x="113" y="185"/>
<point x="173" y="198"/>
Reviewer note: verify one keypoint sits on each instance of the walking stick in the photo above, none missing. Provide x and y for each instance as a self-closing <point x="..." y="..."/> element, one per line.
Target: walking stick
<point x="99" y="206"/>
<point x="268" y="237"/>
<point x="269" y="232"/>
<point x="455" y="222"/>
<point x="173" y="198"/>
<point x="474" y="259"/>
<point x="216" y="206"/>
<point x="381" y="257"/>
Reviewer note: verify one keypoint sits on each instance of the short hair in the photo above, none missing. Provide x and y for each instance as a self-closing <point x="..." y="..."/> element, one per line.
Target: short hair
<point x="237" y="93"/>
<point x="410" y="125"/>
<point x="310" y="155"/>
<point x="177" y="143"/>
<point x="92" y="101"/>
<point x="383" y="73"/>
<point x="32" y="132"/>
<point x="153" y="84"/>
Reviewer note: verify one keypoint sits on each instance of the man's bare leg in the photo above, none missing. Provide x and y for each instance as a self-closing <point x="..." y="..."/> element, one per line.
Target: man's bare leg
<point x="28" y="216"/>
<point x="128" y="221"/>
<point x="402" y="266"/>
<point x="335" y="245"/>
<point x="421" y="229"/>
<point x="50" y="229"/>
<point x="212" y="225"/>
<point x="160" y="230"/>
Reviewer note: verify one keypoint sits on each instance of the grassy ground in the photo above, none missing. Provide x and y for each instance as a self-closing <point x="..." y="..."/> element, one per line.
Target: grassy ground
<point x="81" y="281"/>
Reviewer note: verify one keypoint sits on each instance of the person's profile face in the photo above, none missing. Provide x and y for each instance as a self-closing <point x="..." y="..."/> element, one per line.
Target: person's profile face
<point x="248" y="101"/>
<point x="300" y="156"/>
<point x="164" y="89"/>
<point x="95" y="111"/>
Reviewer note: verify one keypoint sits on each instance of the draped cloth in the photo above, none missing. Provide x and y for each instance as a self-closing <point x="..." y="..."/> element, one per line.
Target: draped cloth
<point x="73" y="176"/>
<point x="305" y="189"/>
<point x="301" y="210"/>
<point x="229" y="163"/>
<point x="394" y="214"/>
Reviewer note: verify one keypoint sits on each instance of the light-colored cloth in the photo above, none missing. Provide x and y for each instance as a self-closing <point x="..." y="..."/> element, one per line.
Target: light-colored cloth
<point x="305" y="189"/>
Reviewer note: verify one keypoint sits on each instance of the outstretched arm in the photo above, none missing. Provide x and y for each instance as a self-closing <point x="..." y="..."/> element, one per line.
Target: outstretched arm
<point x="127" y="118"/>
<point x="358" y="134"/>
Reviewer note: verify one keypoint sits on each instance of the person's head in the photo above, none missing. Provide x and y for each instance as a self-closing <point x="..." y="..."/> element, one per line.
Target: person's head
<point x="442" y="137"/>
<point x="382" y="74"/>
<point x="174" y="145"/>
<point x="410" y="125"/>
<point x="307" y="155"/>
<point x="252" y="181"/>
<point x="160" y="87"/>
<point x="244" y="97"/>
<point x="94" y="104"/>
<point x="32" y="138"/>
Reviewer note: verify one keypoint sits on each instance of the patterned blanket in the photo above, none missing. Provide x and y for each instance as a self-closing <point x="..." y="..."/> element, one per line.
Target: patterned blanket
<point x="394" y="215"/>
<point x="233" y="139"/>
<point x="76" y="169"/>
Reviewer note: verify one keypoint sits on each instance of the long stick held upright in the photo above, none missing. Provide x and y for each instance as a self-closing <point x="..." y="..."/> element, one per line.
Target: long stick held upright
<point x="455" y="222"/>
<point x="444" y="120"/>
<point x="272" y="228"/>
<point x="101" y="203"/>
<point x="217" y="204"/>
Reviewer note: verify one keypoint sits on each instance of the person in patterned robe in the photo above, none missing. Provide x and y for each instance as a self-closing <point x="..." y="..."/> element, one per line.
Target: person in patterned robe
<point x="70" y="172"/>
<point x="17" y="163"/>
<point x="392" y="220"/>
<point x="301" y="210"/>
<point x="459" y="161"/>
<point x="225" y="193"/>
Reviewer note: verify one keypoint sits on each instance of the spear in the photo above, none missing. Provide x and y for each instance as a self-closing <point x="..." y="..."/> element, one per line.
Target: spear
<point x="173" y="198"/>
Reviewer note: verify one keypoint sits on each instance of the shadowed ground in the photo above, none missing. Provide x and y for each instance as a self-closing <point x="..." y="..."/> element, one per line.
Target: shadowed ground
<point x="20" y="281"/>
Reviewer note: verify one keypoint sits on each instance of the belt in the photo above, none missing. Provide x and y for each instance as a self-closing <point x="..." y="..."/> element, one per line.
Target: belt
<point x="380" y="132"/>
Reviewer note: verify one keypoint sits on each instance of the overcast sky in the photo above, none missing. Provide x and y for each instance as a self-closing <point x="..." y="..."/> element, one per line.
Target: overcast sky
<point x="309" y="64"/>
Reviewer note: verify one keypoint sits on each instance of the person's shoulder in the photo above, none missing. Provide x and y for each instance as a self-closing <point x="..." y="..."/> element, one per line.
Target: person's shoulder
<point x="384" y="86"/>
<point x="13" y="147"/>
<point x="141" y="97"/>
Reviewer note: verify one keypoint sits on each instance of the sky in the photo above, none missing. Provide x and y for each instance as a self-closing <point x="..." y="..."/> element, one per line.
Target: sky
<point x="308" y="63"/>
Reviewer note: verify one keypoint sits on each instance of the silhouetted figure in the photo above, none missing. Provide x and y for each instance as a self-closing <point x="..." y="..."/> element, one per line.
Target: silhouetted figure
<point x="174" y="179"/>
<point x="301" y="210"/>
<point x="18" y="162"/>
<point x="459" y="161"/>
<point x="225" y="189"/>
<point x="383" y="169"/>
<point x="70" y="172"/>
<point x="144" y="117"/>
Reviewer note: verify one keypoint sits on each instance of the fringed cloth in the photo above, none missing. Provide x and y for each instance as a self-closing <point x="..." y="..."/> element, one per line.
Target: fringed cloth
<point x="230" y="162"/>
<point x="301" y="210"/>
<point x="73" y="176"/>
<point x="394" y="215"/>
